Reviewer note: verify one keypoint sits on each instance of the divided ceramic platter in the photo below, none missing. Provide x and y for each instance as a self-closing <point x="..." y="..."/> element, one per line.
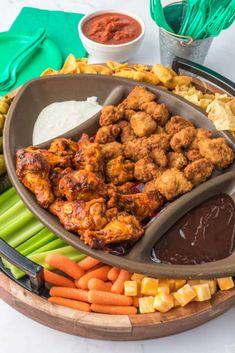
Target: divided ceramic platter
<point x="38" y="93"/>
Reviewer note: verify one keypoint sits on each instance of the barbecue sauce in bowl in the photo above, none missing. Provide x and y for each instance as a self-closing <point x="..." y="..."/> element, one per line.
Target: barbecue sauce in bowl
<point x="204" y="234"/>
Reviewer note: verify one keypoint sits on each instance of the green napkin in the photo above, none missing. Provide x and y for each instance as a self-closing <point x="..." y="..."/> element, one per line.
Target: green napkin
<point x="62" y="28"/>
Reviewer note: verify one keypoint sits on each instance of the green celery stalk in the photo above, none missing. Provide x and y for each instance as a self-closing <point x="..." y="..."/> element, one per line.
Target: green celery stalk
<point x="8" y="199"/>
<point x="23" y="234"/>
<point x="43" y="237"/>
<point x="10" y="214"/>
<point x="17" y="224"/>
<point x="68" y="251"/>
<point x="55" y="244"/>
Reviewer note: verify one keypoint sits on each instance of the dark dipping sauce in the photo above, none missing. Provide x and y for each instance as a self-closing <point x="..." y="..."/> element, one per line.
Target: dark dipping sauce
<point x="205" y="234"/>
<point x="112" y="28"/>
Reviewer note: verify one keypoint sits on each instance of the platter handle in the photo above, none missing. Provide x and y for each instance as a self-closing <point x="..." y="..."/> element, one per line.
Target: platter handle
<point x="205" y="73"/>
<point x="33" y="270"/>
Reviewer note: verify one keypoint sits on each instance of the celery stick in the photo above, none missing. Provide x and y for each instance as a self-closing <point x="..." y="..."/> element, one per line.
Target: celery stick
<point x="68" y="251"/>
<point x="23" y="234"/>
<point x="55" y="244"/>
<point x="37" y="241"/>
<point x="10" y="214"/>
<point x="6" y="263"/>
<point x="8" y="199"/>
<point x="20" y="221"/>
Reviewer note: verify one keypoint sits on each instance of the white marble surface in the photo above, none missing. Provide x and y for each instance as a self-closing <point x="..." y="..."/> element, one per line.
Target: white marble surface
<point x="20" y="334"/>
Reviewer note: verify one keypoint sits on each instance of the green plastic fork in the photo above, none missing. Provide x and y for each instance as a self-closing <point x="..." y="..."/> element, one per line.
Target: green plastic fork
<point x="9" y="75"/>
<point x="158" y="16"/>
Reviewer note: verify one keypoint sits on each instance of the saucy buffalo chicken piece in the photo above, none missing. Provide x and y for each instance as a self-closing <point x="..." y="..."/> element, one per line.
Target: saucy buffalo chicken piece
<point x="82" y="185"/>
<point x="123" y="227"/>
<point x="199" y="171"/>
<point x="89" y="156"/>
<point x="32" y="169"/>
<point x="63" y="147"/>
<point x="77" y="216"/>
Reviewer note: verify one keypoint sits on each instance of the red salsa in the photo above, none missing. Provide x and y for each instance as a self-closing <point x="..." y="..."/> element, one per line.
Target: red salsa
<point x="112" y="28"/>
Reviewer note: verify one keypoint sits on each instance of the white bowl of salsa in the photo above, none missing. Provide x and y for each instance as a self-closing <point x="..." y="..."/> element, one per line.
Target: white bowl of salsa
<point x="111" y="35"/>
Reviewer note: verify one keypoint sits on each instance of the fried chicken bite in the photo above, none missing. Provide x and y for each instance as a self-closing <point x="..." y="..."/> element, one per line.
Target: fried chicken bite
<point x="182" y="139"/>
<point x="172" y="183"/>
<point x="217" y="151"/>
<point x="176" y="160"/>
<point x="82" y="185"/>
<point x="77" y="216"/>
<point x="138" y="96"/>
<point x="128" y="113"/>
<point x="111" y="114"/>
<point x="124" y="227"/>
<point x="142" y="124"/>
<point x="177" y="123"/>
<point x="63" y="147"/>
<point x="199" y="171"/>
<point x="158" y="141"/>
<point x="200" y="135"/>
<point x="136" y="149"/>
<point x="143" y="205"/>
<point x="159" y="157"/>
<point x="89" y="156"/>
<point x="32" y="169"/>
<point x="193" y="154"/>
<point x="111" y="150"/>
<point x="145" y="170"/>
<point x="119" y="170"/>
<point x="127" y="133"/>
<point x="158" y="112"/>
<point x="107" y="134"/>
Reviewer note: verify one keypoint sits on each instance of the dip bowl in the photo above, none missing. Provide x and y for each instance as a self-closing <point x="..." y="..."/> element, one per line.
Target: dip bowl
<point x="116" y="52"/>
<point x="38" y="93"/>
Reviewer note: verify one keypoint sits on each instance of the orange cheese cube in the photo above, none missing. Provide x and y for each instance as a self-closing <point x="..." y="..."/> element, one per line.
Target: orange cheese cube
<point x="179" y="283"/>
<point x="225" y="283"/>
<point x="149" y="286"/>
<point x="163" y="286"/>
<point x="185" y="294"/>
<point x="202" y="292"/>
<point x="131" y="288"/>
<point x="163" y="302"/>
<point x="146" y="305"/>
<point x="212" y="284"/>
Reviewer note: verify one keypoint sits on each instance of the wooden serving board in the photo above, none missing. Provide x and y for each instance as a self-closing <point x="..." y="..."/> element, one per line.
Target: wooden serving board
<point x="113" y="327"/>
<point x="116" y="327"/>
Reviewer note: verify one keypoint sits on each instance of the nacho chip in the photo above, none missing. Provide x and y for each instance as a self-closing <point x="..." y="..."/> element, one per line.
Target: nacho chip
<point x="140" y="67"/>
<point x="49" y="72"/>
<point x="70" y="65"/>
<point x="163" y="73"/>
<point x="102" y="69"/>
<point x="150" y="78"/>
<point x="115" y="65"/>
<point x="82" y="60"/>
<point x="132" y="74"/>
<point x="85" y="69"/>
<point x="221" y="114"/>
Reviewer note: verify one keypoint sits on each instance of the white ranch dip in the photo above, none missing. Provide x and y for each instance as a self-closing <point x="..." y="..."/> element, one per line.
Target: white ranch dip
<point x="60" y="117"/>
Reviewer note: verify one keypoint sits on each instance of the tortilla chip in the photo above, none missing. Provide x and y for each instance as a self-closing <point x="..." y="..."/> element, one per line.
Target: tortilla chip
<point x="132" y="74"/>
<point x="70" y="65"/>
<point x="102" y="69"/>
<point x="49" y="72"/>
<point x="163" y="73"/>
<point x="140" y="67"/>
<point x="221" y="114"/>
<point x="115" y="65"/>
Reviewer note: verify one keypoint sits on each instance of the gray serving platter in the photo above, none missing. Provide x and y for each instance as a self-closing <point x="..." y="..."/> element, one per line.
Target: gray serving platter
<point x="38" y="93"/>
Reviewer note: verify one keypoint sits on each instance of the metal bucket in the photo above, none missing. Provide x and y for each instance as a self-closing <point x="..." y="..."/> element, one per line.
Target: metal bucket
<point x="172" y="44"/>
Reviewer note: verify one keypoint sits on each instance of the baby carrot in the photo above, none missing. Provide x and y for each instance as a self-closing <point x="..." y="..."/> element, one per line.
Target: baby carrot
<point x="118" y="285"/>
<point x="113" y="274"/>
<point x="135" y="301"/>
<point x="88" y="263"/>
<point x="64" y="264"/>
<point x="74" y="304"/>
<point x="108" y="298"/>
<point x="58" y="280"/>
<point x="96" y="283"/>
<point x="114" y="310"/>
<point x="70" y="293"/>
<point x="100" y="273"/>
